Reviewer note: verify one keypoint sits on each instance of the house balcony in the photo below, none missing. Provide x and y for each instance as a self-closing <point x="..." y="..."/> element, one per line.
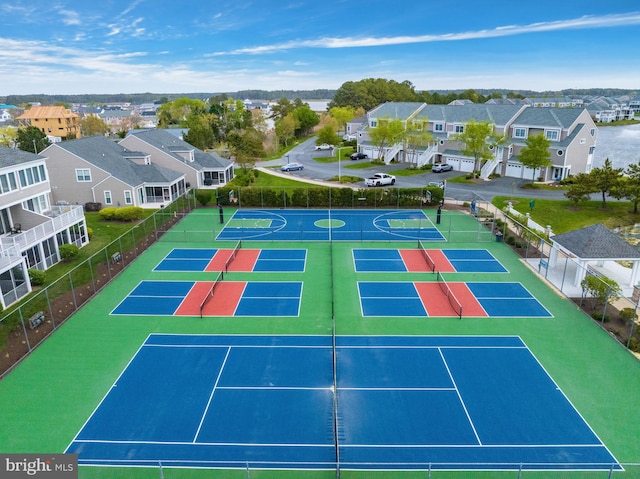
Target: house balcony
<point x="57" y="219"/>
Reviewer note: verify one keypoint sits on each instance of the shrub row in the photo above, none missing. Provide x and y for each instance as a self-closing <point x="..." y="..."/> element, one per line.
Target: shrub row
<point x="126" y="213"/>
<point x="323" y="197"/>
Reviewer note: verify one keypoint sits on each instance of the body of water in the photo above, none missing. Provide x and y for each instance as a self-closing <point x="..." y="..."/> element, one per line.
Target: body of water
<point x="621" y="144"/>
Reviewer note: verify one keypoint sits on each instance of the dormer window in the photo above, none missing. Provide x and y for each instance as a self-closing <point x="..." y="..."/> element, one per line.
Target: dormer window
<point x="519" y="132"/>
<point x="552" y="135"/>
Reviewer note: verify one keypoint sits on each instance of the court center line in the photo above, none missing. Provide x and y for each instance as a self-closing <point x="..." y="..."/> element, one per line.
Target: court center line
<point x="460" y="397"/>
<point x="206" y="409"/>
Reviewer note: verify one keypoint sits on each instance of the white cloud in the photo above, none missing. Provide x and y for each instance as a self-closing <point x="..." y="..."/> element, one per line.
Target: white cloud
<point x="586" y="22"/>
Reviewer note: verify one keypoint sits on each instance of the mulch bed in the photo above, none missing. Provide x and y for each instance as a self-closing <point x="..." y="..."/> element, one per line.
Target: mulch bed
<point x="64" y="306"/>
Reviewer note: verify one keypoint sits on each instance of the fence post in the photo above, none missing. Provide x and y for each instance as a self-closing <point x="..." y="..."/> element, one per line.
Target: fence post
<point x="73" y="293"/>
<point x="24" y="330"/>
<point x="53" y="319"/>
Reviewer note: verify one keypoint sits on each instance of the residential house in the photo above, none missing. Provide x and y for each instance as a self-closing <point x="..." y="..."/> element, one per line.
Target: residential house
<point x="31" y="229"/>
<point x="571" y="131"/>
<point x="201" y="169"/>
<point x="607" y="110"/>
<point x="634" y="104"/>
<point x="57" y="122"/>
<point x="95" y="169"/>
<point x="562" y="102"/>
<point x="572" y="134"/>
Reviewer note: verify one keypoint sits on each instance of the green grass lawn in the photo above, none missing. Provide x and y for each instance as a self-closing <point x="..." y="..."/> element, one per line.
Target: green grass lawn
<point x="563" y="216"/>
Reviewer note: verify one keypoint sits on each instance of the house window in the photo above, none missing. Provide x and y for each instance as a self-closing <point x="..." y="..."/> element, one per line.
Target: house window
<point x="552" y="135"/>
<point x="593" y="132"/>
<point x="128" y="199"/>
<point x="374" y="124"/>
<point x="583" y="141"/>
<point x="519" y="132"/>
<point x="83" y="174"/>
<point x="459" y="129"/>
<point x="438" y="127"/>
<point x="107" y="198"/>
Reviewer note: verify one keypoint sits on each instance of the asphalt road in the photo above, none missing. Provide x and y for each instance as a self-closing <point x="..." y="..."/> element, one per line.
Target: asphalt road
<point x="486" y="190"/>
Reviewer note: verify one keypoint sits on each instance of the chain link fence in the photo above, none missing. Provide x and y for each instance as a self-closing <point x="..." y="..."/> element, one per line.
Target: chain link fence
<point x="24" y="327"/>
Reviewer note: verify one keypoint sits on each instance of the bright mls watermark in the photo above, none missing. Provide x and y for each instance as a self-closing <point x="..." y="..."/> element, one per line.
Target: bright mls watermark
<point x="51" y="466"/>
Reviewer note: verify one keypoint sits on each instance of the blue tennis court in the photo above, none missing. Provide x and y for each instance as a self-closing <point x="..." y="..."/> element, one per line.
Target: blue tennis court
<point x="402" y="402"/>
<point x="335" y="225"/>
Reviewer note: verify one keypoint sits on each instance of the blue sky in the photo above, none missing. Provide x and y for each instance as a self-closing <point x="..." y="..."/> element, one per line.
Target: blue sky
<point x="114" y="46"/>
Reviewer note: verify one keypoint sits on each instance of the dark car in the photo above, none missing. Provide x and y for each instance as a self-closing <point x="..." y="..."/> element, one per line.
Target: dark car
<point x="440" y="167"/>
<point x="358" y="156"/>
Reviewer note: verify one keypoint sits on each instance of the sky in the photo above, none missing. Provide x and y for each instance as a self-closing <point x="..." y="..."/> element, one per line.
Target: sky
<point x="215" y="46"/>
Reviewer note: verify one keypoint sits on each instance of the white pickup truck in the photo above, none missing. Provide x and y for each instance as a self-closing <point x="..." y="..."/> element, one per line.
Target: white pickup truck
<point x="380" y="179"/>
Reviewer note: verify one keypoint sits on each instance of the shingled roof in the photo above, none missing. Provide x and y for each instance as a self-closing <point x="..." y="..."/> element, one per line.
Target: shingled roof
<point x="596" y="242"/>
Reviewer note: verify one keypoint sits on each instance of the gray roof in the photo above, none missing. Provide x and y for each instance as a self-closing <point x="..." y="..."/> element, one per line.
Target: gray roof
<point x="548" y="117"/>
<point x="114" y="159"/>
<point x="396" y="109"/>
<point x="500" y="115"/>
<point x="596" y="242"/>
<point x="163" y="140"/>
<point x="13" y="156"/>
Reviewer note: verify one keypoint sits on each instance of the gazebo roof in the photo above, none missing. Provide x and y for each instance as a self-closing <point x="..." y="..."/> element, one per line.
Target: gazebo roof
<point x="596" y="242"/>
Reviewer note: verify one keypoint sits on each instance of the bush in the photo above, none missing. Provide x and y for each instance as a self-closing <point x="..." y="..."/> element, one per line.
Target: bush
<point x="68" y="251"/>
<point x="129" y="213"/>
<point x="203" y="197"/>
<point x="37" y="277"/>
<point x="89" y="233"/>
<point x="126" y="213"/>
<point x="108" y="213"/>
<point x="92" y="206"/>
<point x="627" y="314"/>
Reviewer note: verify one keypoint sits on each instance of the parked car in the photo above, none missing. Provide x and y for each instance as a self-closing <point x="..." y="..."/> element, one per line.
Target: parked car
<point x="380" y="179"/>
<point x="324" y="146"/>
<point x="440" y="167"/>
<point x="358" y="156"/>
<point x="292" y="167"/>
<point x="439" y="184"/>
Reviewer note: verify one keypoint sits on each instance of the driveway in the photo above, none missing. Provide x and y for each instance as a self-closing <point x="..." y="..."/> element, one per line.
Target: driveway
<point x="317" y="172"/>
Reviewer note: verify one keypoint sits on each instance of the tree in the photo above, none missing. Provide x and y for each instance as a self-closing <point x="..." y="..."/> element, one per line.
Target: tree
<point x="31" y="139"/>
<point x="580" y="190"/>
<point x="605" y="179"/>
<point x="8" y="136"/>
<point x="386" y="133"/>
<point x="200" y="133"/>
<point x="535" y="154"/>
<point x="246" y="146"/>
<point x="476" y="138"/>
<point x="371" y="92"/>
<point x="628" y="186"/>
<point x="342" y="114"/>
<point x="603" y="290"/>
<point x="305" y="118"/>
<point x="92" y="125"/>
<point x="327" y="135"/>
<point x="176" y="112"/>
<point x="285" y="129"/>
<point x="281" y="109"/>
<point x="416" y="138"/>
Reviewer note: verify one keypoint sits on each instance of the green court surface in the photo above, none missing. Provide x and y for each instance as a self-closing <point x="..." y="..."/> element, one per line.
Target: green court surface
<point x="47" y="398"/>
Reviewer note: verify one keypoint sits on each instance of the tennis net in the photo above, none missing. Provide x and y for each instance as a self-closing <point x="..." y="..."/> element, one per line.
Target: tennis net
<point x="232" y="256"/>
<point x="209" y="295"/>
<point x="427" y="257"/>
<point x="453" y="301"/>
